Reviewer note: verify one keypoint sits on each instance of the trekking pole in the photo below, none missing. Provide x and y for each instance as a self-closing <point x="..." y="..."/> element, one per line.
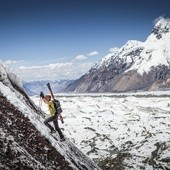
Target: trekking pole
<point x="41" y="97"/>
<point x="52" y="95"/>
<point x="40" y="103"/>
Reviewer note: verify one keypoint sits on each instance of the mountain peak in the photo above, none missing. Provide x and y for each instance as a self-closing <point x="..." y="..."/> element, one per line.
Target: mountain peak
<point x="162" y="26"/>
<point x="162" y="22"/>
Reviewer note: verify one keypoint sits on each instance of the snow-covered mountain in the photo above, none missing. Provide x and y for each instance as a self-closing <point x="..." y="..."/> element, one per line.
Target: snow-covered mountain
<point x="35" y="87"/>
<point x="25" y="142"/>
<point x="135" y="66"/>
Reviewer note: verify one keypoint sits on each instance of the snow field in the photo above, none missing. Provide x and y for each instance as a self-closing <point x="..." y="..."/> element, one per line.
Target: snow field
<point x="101" y="126"/>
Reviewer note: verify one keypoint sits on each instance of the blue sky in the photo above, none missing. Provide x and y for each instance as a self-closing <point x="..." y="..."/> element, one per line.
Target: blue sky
<point x="54" y="39"/>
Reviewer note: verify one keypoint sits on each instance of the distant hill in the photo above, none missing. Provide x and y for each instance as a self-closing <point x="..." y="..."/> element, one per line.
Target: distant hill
<point x="35" y="87"/>
<point x="135" y="66"/>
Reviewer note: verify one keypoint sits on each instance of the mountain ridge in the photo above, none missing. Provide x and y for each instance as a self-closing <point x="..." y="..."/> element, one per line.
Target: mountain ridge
<point x="35" y="87"/>
<point x="135" y="66"/>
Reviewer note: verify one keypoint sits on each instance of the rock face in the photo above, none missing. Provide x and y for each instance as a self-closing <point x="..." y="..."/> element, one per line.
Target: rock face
<point x="135" y="66"/>
<point x="25" y="142"/>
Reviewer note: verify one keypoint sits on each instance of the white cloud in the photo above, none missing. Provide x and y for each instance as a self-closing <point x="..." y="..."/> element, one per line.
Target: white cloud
<point x="11" y="62"/>
<point x="70" y="70"/>
<point x="93" y="53"/>
<point x="114" y="49"/>
<point x="81" y="57"/>
<point x="84" y="57"/>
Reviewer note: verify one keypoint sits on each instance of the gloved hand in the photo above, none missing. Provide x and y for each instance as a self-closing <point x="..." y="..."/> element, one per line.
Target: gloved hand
<point x="41" y="94"/>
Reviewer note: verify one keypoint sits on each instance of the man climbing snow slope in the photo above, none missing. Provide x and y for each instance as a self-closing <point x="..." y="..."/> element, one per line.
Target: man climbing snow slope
<point x="53" y="118"/>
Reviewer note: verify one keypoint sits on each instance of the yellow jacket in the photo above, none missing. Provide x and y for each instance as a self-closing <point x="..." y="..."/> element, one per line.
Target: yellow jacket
<point x="51" y="108"/>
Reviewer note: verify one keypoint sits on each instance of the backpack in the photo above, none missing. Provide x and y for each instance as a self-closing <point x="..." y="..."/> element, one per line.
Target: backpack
<point x="57" y="106"/>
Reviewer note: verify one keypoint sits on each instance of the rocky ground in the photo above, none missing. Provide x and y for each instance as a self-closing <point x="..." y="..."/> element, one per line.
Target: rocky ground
<point x="18" y="132"/>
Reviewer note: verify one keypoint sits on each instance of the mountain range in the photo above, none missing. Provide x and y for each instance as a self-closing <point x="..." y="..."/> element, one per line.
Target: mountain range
<point x="35" y="87"/>
<point x="135" y="66"/>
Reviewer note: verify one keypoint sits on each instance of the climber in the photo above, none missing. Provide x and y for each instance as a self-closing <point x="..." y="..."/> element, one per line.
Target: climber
<point x="53" y="118"/>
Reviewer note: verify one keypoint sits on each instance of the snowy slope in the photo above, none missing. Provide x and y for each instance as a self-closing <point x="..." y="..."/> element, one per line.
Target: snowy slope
<point x="25" y="140"/>
<point x="119" y="54"/>
<point x="119" y="131"/>
<point x="156" y="48"/>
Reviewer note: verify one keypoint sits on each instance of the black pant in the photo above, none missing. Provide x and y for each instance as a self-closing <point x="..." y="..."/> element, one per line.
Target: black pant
<point x="53" y="119"/>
